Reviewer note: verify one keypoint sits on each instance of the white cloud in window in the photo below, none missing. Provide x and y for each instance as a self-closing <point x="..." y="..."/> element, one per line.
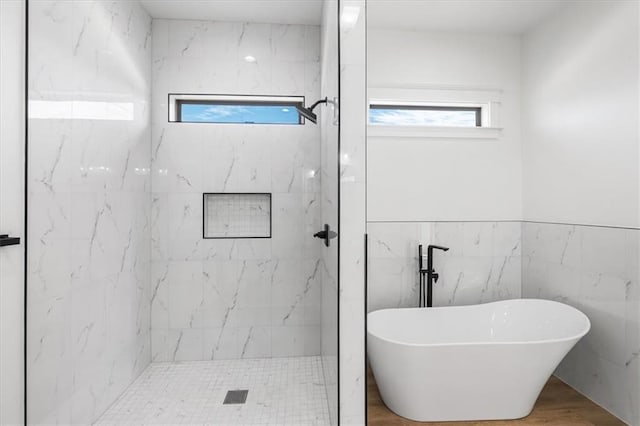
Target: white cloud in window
<point x="416" y="117"/>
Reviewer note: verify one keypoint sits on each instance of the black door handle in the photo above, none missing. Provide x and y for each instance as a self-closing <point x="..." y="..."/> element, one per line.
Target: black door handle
<point x="327" y="234"/>
<point x="6" y="240"/>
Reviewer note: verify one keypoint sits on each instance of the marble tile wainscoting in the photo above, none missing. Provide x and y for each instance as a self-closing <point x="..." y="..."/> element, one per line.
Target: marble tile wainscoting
<point x="483" y="263"/>
<point x="234" y="298"/>
<point x="89" y="206"/>
<point x="594" y="269"/>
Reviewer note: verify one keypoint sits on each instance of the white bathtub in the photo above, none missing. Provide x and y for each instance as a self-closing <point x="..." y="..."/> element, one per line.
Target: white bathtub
<point x="479" y="362"/>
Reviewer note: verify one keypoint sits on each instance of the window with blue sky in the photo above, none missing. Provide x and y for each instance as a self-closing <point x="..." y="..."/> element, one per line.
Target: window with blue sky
<point x="241" y="113"/>
<point x="437" y="116"/>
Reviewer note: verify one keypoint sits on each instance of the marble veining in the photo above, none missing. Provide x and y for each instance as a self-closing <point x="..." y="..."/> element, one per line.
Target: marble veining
<point x="119" y="273"/>
<point x="215" y="299"/>
<point x="482" y="265"/>
<point x="89" y="233"/>
<point x="594" y="269"/>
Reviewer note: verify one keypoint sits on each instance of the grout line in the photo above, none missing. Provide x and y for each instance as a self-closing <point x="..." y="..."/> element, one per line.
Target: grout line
<point x="632" y="228"/>
<point x="587" y="225"/>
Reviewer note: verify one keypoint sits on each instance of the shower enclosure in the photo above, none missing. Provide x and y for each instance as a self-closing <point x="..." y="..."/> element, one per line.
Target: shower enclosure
<point x="172" y="258"/>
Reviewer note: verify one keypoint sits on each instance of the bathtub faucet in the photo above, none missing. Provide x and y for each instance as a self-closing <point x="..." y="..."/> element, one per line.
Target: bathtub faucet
<point x="431" y="275"/>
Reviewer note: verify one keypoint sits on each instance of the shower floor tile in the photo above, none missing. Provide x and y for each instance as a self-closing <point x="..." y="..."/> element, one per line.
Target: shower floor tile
<point x="282" y="391"/>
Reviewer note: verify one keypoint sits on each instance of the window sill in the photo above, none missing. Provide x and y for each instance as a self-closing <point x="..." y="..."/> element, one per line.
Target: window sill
<point x="429" y="132"/>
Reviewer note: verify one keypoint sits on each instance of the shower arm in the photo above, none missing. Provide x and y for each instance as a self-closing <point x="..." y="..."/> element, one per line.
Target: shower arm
<point x="316" y="103"/>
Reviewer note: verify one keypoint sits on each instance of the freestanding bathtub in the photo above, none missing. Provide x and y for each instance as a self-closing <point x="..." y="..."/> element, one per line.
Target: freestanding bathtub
<point x="479" y="362"/>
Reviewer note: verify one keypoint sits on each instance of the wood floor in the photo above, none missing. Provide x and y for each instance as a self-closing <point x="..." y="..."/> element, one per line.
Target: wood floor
<point x="558" y="405"/>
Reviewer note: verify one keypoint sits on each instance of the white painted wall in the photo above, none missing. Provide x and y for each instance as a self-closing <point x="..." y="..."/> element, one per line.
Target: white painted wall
<point x="580" y="103"/>
<point x="11" y="209"/>
<point x="419" y="179"/>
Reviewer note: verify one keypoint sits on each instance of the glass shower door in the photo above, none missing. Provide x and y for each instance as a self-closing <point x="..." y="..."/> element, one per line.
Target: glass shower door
<point x="124" y="271"/>
<point x="330" y="198"/>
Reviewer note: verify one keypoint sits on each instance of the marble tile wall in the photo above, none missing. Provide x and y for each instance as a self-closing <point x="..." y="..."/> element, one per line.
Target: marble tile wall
<point x="483" y="263"/>
<point x="234" y="298"/>
<point x="89" y="206"/>
<point x="594" y="269"/>
<point x="329" y="142"/>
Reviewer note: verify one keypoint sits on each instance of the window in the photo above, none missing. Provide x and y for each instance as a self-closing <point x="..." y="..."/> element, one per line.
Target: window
<point x="438" y="112"/>
<point x="236" y="109"/>
<point x="425" y="115"/>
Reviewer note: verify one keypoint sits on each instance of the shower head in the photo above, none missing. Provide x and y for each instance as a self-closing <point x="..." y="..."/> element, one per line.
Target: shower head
<point x="308" y="112"/>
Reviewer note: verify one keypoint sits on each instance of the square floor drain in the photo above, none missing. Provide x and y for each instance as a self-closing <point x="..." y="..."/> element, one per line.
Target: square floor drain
<point x="236" y="397"/>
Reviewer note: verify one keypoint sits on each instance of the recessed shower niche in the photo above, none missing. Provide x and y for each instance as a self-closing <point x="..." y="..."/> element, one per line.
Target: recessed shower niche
<point x="236" y="215"/>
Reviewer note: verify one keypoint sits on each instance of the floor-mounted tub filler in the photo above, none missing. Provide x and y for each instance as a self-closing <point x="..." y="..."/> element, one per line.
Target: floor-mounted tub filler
<point x="479" y="362"/>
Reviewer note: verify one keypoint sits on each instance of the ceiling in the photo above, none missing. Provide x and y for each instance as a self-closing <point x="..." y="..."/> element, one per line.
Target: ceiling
<point x="307" y="12"/>
<point x="473" y="16"/>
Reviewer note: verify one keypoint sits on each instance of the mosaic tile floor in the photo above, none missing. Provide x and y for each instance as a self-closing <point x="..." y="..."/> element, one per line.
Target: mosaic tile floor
<point x="282" y="391"/>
